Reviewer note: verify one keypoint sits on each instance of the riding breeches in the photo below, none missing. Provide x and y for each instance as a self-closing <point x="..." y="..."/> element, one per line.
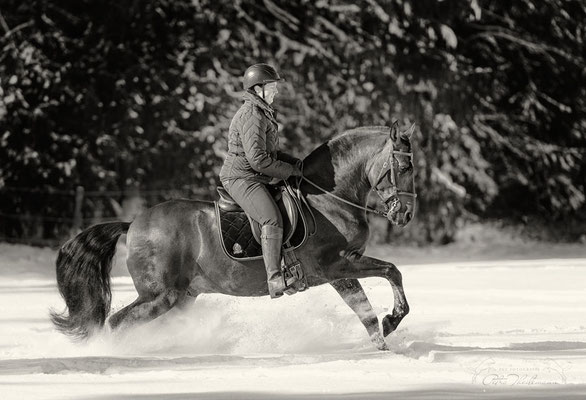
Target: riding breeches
<point x="255" y="200"/>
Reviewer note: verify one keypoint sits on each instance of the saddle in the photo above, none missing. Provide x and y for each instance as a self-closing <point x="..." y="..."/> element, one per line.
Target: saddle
<point x="240" y="234"/>
<point x="284" y="201"/>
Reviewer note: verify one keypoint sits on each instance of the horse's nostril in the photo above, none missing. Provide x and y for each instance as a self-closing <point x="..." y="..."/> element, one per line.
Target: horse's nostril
<point x="408" y="217"/>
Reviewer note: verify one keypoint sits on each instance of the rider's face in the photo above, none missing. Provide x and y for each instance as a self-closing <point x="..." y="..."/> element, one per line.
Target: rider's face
<point x="270" y="92"/>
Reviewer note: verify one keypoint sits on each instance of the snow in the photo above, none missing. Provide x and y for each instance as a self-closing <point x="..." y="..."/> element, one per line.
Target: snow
<point x="493" y="324"/>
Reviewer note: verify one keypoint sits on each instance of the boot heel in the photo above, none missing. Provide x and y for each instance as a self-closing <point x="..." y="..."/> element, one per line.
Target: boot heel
<point x="276" y="289"/>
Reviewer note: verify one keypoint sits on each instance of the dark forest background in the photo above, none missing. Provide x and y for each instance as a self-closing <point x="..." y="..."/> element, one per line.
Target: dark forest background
<point x="131" y="100"/>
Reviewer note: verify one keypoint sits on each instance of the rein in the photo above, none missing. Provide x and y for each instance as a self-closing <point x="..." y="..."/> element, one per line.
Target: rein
<point x="365" y="208"/>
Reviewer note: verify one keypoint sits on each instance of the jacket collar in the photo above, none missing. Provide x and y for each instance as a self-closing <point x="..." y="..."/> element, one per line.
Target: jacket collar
<point x="253" y="98"/>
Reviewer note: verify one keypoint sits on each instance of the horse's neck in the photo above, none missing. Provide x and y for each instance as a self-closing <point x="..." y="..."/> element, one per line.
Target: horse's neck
<point x="340" y="167"/>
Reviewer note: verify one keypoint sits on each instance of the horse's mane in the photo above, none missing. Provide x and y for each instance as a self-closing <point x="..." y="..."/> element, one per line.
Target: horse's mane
<point x="367" y="129"/>
<point x="347" y="148"/>
<point x="353" y="141"/>
<point x="357" y="141"/>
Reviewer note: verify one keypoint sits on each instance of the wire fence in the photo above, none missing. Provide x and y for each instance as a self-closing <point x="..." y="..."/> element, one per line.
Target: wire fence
<point x="47" y="217"/>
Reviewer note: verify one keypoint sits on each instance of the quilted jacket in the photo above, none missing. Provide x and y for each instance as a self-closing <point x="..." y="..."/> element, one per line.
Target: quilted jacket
<point x="252" y="144"/>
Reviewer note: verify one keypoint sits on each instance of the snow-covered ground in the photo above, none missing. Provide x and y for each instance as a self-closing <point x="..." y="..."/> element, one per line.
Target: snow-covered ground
<point x="498" y="328"/>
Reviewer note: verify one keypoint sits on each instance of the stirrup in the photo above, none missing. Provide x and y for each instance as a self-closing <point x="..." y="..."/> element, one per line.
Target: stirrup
<point x="291" y="287"/>
<point x="293" y="274"/>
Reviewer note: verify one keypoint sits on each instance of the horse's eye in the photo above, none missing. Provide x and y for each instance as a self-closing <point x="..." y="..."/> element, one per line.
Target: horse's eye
<point x="404" y="169"/>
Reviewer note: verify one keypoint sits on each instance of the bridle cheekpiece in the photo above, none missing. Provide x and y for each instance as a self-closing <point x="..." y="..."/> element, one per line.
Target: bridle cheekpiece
<point x="393" y="203"/>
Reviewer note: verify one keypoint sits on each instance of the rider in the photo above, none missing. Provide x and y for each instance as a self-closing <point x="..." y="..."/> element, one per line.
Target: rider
<point x="253" y="160"/>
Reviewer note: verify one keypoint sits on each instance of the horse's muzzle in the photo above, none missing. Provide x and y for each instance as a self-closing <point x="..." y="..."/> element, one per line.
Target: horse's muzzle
<point x="400" y="218"/>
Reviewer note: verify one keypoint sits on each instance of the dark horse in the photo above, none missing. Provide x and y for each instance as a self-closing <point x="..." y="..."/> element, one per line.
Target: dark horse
<point x="175" y="254"/>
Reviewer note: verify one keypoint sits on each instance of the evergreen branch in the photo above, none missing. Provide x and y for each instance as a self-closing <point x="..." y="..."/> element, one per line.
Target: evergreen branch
<point x="282" y="15"/>
<point x="339" y="33"/>
<point x="562" y="107"/>
<point x="15" y="29"/>
<point x="529" y="142"/>
<point x="531" y="46"/>
<point x="350" y="8"/>
<point x="285" y="41"/>
<point x="497" y="138"/>
<point x="379" y="11"/>
<point x="4" y="24"/>
<point x="448" y="182"/>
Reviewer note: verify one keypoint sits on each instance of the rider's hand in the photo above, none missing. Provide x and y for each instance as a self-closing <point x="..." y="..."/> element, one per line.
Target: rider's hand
<point x="296" y="172"/>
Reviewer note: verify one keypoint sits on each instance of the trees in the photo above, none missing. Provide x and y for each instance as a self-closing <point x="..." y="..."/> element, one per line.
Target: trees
<point x="527" y="62"/>
<point x="115" y="96"/>
<point x="103" y="95"/>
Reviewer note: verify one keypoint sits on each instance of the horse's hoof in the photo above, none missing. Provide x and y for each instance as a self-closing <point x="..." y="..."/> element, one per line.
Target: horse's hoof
<point x="390" y="323"/>
<point x="379" y="342"/>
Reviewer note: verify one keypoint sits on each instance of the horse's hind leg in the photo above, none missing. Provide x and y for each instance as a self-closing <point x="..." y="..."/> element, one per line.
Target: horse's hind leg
<point x="146" y="309"/>
<point x="353" y="294"/>
<point x="186" y="302"/>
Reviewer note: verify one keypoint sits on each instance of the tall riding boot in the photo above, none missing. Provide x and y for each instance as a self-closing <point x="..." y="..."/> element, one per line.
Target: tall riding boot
<point x="272" y="241"/>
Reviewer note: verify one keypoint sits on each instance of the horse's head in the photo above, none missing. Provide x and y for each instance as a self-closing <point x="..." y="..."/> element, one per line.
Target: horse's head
<point x="393" y="178"/>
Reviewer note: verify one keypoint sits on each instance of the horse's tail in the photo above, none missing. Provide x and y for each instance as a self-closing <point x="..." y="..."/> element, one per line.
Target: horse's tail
<point x="83" y="278"/>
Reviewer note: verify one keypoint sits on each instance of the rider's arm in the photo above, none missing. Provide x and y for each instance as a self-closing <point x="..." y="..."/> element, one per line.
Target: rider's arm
<point x="253" y="137"/>
<point x="287" y="158"/>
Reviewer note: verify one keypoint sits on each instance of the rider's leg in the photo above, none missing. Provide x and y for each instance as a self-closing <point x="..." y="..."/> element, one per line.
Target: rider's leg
<point x="255" y="199"/>
<point x="272" y="243"/>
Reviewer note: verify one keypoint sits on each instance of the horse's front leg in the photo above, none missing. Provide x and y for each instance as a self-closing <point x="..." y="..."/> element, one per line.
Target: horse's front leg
<point x="353" y="294"/>
<point x="359" y="266"/>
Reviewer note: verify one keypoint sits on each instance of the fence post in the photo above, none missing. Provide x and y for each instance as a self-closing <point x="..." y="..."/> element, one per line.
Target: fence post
<point x="77" y="216"/>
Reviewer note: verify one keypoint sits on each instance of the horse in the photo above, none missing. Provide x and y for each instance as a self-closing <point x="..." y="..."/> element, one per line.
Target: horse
<point x="175" y="252"/>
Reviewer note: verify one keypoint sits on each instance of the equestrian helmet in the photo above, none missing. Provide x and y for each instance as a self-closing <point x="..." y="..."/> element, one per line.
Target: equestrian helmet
<point x="260" y="74"/>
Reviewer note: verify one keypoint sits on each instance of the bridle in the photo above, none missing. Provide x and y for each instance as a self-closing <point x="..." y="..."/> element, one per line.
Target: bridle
<point x="393" y="199"/>
<point x="395" y="205"/>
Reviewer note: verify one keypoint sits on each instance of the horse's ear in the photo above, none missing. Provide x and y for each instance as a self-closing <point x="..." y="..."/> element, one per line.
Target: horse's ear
<point x="394" y="133"/>
<point x="408" y="133"/>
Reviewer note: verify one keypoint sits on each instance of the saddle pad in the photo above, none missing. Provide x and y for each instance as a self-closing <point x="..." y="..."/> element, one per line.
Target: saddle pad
<point x="237" y="235"/>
